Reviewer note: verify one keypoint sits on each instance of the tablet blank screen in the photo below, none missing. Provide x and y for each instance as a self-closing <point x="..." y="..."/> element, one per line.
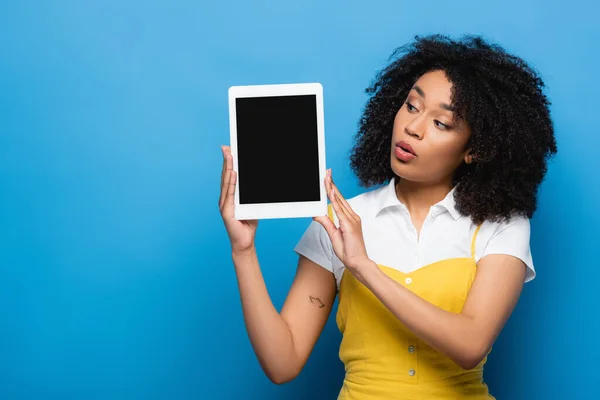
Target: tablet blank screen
<point x="277" y="146"/>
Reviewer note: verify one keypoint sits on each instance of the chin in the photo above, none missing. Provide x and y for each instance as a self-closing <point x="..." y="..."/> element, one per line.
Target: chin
<point x="407" y="171"/>
<point x="403" y="171"/>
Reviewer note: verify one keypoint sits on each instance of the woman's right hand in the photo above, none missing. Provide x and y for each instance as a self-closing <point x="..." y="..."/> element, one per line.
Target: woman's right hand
<point x="241" y="233"/>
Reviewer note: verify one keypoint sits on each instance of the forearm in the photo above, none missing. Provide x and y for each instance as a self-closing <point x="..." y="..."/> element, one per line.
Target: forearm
<point x="269" y="334"/>
<point x="455" y="335"/>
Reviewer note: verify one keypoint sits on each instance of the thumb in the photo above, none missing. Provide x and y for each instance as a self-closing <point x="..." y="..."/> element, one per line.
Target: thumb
<point x="327" y="223"/>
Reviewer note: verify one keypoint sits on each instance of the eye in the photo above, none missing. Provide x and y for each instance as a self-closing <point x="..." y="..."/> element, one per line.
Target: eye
<point x="441" y="125"/>
<point x="410" y="107"/>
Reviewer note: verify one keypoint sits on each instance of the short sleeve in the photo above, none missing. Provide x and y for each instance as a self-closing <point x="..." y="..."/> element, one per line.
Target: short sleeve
<point x="316" y="246"/>
<point x="512" y="238"/>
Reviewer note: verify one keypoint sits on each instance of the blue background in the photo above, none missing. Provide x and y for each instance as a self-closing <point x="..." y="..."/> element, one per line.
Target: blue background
<point x="115" y="275"/>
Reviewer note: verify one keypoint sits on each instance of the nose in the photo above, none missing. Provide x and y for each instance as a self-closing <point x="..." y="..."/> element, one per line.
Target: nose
<point x="416" y="127"/>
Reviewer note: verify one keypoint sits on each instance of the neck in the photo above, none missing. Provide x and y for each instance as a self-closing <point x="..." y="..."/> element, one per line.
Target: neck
<point x="419" y="197"/>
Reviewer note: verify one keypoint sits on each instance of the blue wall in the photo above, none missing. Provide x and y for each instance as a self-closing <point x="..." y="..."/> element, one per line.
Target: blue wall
<point x="115" y="276"/>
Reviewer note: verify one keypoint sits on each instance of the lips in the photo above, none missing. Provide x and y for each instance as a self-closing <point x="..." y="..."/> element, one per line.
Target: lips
<point x="404" y="152"/>
<point x="406" y="147"/>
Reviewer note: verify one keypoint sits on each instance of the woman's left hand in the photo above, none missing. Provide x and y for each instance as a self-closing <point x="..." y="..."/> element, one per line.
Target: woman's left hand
<point x="347" y="240"/>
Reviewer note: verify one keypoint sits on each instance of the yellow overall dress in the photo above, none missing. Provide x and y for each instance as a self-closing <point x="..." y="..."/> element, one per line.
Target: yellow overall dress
<point x="383" y="359"/>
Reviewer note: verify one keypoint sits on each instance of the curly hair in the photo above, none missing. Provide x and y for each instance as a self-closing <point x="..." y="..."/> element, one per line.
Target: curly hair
<point x="500" y="98"/>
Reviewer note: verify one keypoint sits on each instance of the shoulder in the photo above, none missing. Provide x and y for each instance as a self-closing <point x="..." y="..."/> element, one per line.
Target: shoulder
<point x="517" y="226"/>
<point x="509" y="237"/>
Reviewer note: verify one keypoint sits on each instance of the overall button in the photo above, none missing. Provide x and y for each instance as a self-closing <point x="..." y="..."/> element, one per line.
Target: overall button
<point x="411" y="349"/>
<point x="411" y="372"/>
<point x="408" y="281"/>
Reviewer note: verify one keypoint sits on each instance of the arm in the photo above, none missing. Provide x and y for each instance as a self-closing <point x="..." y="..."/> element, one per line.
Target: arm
<point x="283" y="341"/>
<point x="466" y="337"/>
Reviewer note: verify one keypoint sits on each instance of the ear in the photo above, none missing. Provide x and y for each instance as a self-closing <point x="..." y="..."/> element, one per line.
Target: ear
<point x="468" y="156"/>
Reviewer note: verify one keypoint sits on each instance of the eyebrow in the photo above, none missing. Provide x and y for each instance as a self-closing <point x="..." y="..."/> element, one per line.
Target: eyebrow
<point x="421" y="93"/>
<point x="418" y="89"/>
<point x="447" y="107"/>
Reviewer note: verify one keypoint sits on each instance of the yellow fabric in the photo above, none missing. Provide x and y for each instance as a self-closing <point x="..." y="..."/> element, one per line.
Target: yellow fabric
<point x="383" y="359"/>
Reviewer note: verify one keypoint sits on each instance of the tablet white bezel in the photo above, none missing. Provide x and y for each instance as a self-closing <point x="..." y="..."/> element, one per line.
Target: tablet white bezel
<point x="279" y="210"/>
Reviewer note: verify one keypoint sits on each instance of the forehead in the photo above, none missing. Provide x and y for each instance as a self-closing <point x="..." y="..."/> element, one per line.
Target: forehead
<point x="435" y="86"/>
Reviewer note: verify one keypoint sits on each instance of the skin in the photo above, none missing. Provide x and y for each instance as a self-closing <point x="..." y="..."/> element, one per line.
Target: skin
<point x="426" y="124"/>
<point x="284" y="340"/>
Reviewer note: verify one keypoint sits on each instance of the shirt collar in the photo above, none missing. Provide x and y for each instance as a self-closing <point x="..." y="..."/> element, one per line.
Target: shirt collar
<point x="388" y="198"/>
<point x="449" y="204"/>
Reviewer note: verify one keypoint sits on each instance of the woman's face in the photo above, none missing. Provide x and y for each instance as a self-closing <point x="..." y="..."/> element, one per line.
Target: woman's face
<point x="428" y="144"/>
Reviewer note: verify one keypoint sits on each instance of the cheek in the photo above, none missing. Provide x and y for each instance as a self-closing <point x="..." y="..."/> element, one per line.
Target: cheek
<point x="446" y="152"/>
<point x="399" y="120"/>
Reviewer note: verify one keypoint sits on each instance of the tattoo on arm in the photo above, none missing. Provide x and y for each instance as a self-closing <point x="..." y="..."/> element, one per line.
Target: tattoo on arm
<point x="316" y="301"/>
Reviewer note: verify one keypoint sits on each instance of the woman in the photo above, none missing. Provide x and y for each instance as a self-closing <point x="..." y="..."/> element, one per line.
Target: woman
<point x="429" y="263"/>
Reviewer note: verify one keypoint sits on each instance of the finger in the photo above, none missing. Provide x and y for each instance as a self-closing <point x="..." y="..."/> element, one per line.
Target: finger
<point x="224" y="188"/>
<point x="333" y="233"/>
<point x="336" y="198"/>
<point x="223" y="175"/>
<point x="342" y="216"/>
<point x="328" y="181"/>
<point x="231" y="190"/>
<point x="227" y="180"/>
<point x="225" y="151"/>
<point x="327" y="224"/>
<point x="344" y="206"/>
<point x="343" y="203"/>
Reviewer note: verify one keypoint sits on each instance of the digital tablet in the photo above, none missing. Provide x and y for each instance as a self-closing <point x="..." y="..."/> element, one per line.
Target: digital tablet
<point x="278" y="147"/>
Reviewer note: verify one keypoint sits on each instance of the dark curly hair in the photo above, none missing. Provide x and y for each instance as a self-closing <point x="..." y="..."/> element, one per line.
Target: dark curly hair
<point x="501" y="99"/>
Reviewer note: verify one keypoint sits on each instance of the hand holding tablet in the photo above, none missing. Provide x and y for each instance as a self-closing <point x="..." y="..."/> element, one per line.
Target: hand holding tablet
<point x="241" y="233"/>
<point x="278" y="151"/>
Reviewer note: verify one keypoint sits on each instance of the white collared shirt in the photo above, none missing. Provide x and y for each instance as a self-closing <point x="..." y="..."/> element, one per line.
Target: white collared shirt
<point x="391" y="238"/>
